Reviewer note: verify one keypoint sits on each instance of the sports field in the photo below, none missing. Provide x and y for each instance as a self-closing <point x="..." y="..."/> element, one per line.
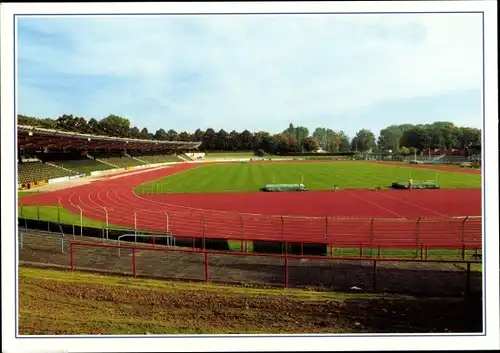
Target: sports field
<point x="245" y="177"/>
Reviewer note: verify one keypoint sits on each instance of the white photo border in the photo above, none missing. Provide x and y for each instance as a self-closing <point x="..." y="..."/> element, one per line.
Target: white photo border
<point x="181" y="343"/>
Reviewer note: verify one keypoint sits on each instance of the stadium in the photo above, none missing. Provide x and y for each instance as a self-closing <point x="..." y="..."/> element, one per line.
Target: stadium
<point x="162" y="209"/>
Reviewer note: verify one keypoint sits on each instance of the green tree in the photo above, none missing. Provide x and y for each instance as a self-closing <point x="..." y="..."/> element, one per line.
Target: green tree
<point x="320" y="133"/>
<point x="114" y="125"/>
<point x="363" y="141"/>
<point x="309" y="144"/>
<point x="389" y="138"/>
<point x="135" y="132"/>
<point x="172" y="135"/>
<point x="144" y="134"/>
<point x="160" y="134"/>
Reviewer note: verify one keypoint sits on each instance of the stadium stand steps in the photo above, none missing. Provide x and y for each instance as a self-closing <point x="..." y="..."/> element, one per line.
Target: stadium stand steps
<point x="139" y="160"/>
<point x="104" y="162"/>
<point x="83" y="166"/>
<point x="158" y="158"/>
<point x="37" y="171"/>
<point x="61" y="167"/>
<point x="184" y="157"/>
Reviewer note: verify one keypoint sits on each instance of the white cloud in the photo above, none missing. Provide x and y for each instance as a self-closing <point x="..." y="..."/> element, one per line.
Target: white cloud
<point x="252" y="70"/>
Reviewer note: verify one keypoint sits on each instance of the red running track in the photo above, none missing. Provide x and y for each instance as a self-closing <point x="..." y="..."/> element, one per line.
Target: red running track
<point x="306" y="217"/>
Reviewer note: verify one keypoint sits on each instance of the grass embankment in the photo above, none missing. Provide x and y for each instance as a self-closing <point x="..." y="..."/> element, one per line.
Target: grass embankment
<point x="22" y="193"/>
<point x="316" y="176"/>
<point x="61" y="215"/>
<point x="119" y="305"/>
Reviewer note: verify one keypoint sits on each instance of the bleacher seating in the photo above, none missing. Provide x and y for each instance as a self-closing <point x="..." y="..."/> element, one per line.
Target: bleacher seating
<point x="83" y="166"/>
<point x="34" y="171"/>
<point x="121" y="162"/>
<point x="161" y="158"/>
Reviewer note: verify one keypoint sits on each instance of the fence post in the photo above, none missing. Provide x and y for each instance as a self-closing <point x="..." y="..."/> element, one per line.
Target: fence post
<point x="463" y="229"/>
<point x="282" y="229"/>
<point x="463" y="251"/>
<point x="71" y="257"/>
<point x="81" y="220"/>
<point x="242" y="234"/>
<point x="58" y="214"/>
<point x="168" y="222"/>
<point x="62" y="243"/>
<point x="326" y="228"/>
<point x="133" y="262"/>
<point x="374" y="276"/>
<point x="25" y="223"/>
<point x="361" y="249"/>
<point x="286" y="265"/>
<point x="372" y="226"/>
<point x="135" y="222"/>
<point x="467" y="285"/>
<point x="203" y="229"/>
<point x="417" y="234"/>
<point x="207" y="277"/>
<point x="38" y="212"/>
<point x="107" y="223"/>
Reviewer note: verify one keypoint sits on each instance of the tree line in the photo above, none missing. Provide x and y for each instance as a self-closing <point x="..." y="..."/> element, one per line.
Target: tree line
<point x="405" y="138"/>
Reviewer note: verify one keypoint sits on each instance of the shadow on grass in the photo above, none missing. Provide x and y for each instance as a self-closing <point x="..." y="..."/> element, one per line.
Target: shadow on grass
<point x="416" y="315"/>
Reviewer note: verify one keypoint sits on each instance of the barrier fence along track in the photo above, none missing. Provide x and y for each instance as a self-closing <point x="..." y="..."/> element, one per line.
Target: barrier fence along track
<point x="76" y="247"/>
<point x="368" y="271"/>
<point x="453" y="232"/>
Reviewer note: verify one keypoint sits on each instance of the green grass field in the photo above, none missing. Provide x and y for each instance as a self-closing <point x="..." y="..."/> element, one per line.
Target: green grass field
<point x="21" y="193"/>
<point x="60" y="215"/>
<point x="316" y="176"/>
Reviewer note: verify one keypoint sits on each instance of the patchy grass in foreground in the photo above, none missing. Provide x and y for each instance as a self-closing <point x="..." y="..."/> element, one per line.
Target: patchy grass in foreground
<point x="118" y="305"/>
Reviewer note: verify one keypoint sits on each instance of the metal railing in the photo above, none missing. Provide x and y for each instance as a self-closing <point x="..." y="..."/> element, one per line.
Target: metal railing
<point x="432" y="231"/>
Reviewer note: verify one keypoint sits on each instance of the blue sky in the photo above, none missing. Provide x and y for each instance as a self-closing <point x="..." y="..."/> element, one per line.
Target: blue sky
<point x="343" y="72"/>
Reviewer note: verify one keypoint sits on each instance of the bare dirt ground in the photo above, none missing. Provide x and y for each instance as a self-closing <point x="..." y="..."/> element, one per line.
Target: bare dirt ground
<point x="48" y="301"/>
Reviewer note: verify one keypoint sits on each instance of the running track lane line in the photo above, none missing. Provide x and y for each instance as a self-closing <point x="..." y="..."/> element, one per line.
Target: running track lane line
<point x="374" y="204"/>
<point x="414" y="205"/>
<point x="229" y="228"/>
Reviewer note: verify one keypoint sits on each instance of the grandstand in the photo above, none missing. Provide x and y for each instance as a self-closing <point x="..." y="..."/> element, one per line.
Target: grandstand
<point x="83" y="166"/>
<point x="157" y="158"/>
<point x="45" y="154"/>
<point x="34" y="171"/>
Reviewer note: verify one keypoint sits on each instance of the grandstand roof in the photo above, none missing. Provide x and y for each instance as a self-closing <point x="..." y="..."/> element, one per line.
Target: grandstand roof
<point x="37" y="137"/>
